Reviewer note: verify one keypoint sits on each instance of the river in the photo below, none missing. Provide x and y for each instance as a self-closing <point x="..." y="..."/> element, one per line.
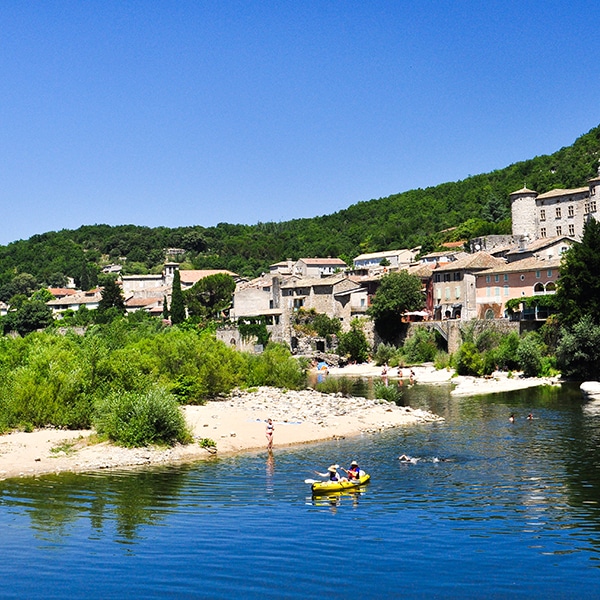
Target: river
<point x="490" y="509"/>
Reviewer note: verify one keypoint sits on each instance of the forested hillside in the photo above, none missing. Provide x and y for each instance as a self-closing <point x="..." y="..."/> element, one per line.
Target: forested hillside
<point x="412" y="218"/>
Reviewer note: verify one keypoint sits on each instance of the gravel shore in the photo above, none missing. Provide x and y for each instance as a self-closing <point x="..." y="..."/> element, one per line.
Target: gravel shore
<point x="235" y="424"/>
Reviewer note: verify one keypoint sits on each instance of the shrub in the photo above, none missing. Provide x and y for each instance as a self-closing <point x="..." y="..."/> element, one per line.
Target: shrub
<point x="468" y="360"/>
<point x="391" y="393"/>
<point x="578" y="351"/>
<point x="337" y="385"/>
<point x="46" y="385"/>
<point x="529" y="354"/>
<point x="420" y="347"/>
<point x="353" y="344"/>
<point x="275" y="367"/>
<point x="136" y="419"/>
<point x="385" y="354"/>
<point x="506" y="352"/>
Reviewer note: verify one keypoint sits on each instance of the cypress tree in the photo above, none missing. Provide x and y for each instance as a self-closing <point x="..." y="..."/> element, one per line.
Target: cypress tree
<point x="177" y="304"/>
<point x="165" y="312"/>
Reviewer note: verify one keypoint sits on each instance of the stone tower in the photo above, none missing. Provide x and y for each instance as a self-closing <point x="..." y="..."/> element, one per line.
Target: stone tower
<point x="523" y="212"/>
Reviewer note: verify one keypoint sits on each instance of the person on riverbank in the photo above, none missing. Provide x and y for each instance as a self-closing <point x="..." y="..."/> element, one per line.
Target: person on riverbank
<point x="269" y="433"/>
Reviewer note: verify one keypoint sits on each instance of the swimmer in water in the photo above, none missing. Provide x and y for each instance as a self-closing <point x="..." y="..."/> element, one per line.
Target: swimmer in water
<point x="407" y="459"/>
<point x="512" y="418"/>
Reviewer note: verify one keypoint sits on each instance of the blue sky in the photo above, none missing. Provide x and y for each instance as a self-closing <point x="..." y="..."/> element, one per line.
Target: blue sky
<point x="180" y="113"/>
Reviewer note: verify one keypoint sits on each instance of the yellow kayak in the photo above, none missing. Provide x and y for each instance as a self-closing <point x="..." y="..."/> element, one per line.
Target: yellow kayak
<point x="326" y="487"/>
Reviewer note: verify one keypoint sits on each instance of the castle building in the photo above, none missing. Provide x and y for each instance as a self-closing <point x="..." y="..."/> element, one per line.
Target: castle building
<point x="555" y="213"/>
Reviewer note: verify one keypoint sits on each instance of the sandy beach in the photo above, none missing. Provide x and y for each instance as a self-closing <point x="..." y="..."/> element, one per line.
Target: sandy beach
<point x="238" y="424"/>
<point x="235" y="424"/>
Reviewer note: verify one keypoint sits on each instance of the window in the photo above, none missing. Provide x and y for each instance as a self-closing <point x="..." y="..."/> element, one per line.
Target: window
<point x="549" y="273"/>
<point x="496" y="291"/>
<point x="571" y="210"/>
<point x="558" y="212"/>
<point x="522" y="277"/>
<point x="538" y="274"/>
<point x="571" y="230"/>
<point x="438" y="294"/>
<point x="543" y="232"/>
<point x="457" y="291"/>
<point x="558" y="230"/>
<point x="593" y="206"/>
<point x="586" y="208"/>
<point x="496" y="278"/>
<point x="488" y="291"/>
<point x="542" y="214"/>
<point x="488" y="278"/>
<point x="506" y="290"/>
<point x="447" y="293"/>
<point x="505" y="276"/>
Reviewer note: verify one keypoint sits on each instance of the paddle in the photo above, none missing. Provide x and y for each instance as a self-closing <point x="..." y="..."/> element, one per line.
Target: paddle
<point x="311" y="481"/>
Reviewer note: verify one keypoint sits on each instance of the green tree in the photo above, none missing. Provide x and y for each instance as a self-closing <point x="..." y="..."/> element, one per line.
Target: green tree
<point x="177" y="302"/>
<point x="398" y="293"/>
<point x="578" y="352"/>
<point x="210" y="295"/>
<point x="578" y="288"/>
<point x="529" y="354"/>
<point x="43" y="295"/>
<point x="165" y="310"/>
<point x="353" y="344"/>
<point x="33" y="315"/>
<point x="112" y="302"/>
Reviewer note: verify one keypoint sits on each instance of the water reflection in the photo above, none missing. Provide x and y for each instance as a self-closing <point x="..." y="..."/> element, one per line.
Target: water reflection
<point x="127" y="500"/>
<point x="333" y="500"/>
<point x="270" y="472"/>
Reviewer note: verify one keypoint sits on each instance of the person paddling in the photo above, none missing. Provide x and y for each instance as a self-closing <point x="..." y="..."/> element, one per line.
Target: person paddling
<point x="353" y="472"/>
<point x="331" y="473"/>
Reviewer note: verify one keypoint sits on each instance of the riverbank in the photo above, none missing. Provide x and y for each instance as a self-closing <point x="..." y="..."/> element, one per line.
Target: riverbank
<point x="235" y="424"/>
<point x="499" y="381"/>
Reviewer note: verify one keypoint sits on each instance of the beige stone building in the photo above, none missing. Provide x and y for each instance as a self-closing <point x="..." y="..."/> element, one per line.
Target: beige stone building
<point x="454" y="290"/>
<point x="555" y="213"/>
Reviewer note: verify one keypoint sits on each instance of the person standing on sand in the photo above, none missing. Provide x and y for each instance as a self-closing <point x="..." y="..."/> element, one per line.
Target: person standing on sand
<point x="269" y="433"/>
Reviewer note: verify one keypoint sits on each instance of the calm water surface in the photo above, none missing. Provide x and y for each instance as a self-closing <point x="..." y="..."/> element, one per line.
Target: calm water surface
<point x="490" y="509"/>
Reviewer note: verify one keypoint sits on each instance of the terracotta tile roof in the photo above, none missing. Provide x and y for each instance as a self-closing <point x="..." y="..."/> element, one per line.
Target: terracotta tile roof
<point x="140" y="302"/>
<point x="422" y="271"/>
<point x="527" y="264"/>
<point x="542" y="243"/>
<point x="452" y="245"/>
<point x="562" y="192"/>
<point x="61" y="292"/>
<point x="479" y="260"/>
<point x="192" y="275"/>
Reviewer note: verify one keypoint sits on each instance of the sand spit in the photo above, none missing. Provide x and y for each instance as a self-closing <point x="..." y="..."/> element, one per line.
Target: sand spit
<point x="235" y="424"/>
